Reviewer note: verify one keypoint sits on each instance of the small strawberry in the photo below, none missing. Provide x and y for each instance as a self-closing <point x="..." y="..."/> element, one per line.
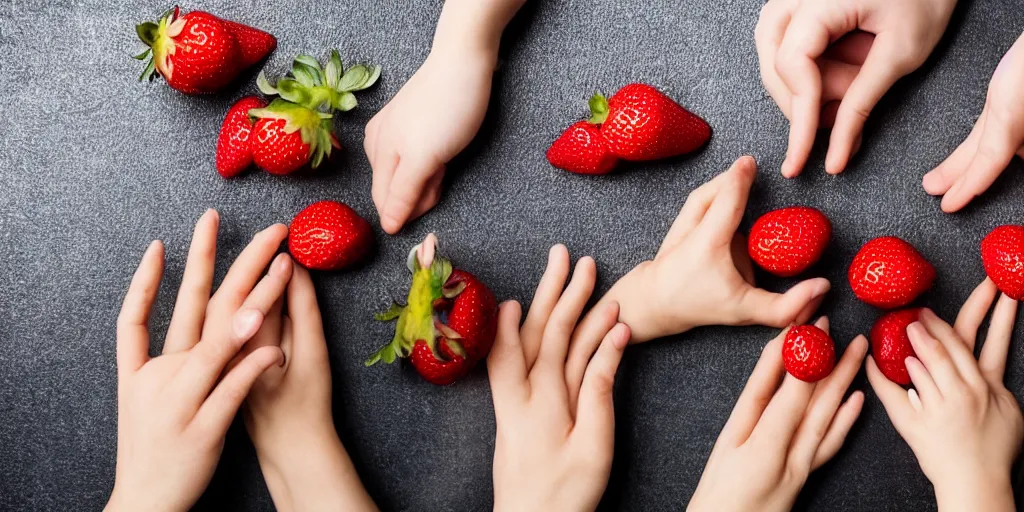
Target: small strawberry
<point x="786" y="242"/>
<point x="808" y="353"/>
<point x="329" y="236"/>
<point x="234" y="151"/>
<point x="890" y="345"/>
<point x="640" y="123"/>
<point x="582" y="149"/>
<point x="1002" y="254"/>
<point x="199" y="53"/>
<point x="441" y="352"/>
<point x="889" y="273"/>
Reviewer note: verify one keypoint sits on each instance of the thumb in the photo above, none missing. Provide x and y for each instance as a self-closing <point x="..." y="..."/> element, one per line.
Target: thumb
<point x="995" y="150"/>
<point x="761" y="307"/>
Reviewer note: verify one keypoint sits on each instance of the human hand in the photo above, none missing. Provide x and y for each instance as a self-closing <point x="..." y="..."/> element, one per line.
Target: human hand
<point x="550" y="454"/>
<point x="777" y="434"/>
<point x="962" y="423"/>
<point x="288" y="411"/>
<point x="807" y="64"/>
<point x="175" y="409"/>
<point x="996" y="137"/>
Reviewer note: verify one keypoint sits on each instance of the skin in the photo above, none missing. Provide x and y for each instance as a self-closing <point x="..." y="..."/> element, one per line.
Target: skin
<point x="780" y="430"/>
<point x="962" y="423"/>
<point x="549" y="453"/>
<point x="819" y="78"/>
<point x="996" y="137"/>
<point x="174" y="409"/>
<point x="288" y="411"/>
<point x="437" y="112"/>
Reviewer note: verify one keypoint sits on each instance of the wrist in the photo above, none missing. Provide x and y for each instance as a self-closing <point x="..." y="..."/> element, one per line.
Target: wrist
<point x="473" y="27"/>
<point x="976" y="490"/>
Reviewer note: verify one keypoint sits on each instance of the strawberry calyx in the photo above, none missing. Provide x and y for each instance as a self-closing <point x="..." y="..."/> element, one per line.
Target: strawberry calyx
<point x="598" y="109"/>
<point x="329" y="87"/>
<point x="313" y="126"/>
<point x="422" y="317"/>
<point x="159" y="37"/>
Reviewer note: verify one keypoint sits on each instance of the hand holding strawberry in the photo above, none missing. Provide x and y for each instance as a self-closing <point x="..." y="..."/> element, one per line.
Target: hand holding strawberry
<point x="964" y="426"/>
<point x="551" y="452"/>
<point x="778" y="434"/>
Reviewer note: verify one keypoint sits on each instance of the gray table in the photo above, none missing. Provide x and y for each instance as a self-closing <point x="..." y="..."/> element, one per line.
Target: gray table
<point x="94" y="165"/>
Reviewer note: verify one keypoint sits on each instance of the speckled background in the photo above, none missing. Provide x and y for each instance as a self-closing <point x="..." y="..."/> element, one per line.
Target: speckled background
<point x="94" y="165"/>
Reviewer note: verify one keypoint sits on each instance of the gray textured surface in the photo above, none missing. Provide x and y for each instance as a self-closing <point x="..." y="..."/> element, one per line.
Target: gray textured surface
<point x="94" y="165"/>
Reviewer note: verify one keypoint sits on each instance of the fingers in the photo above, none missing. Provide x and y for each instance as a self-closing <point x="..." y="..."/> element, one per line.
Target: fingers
<point x="825" y="403"/>
<point x="384" y="168"/>
<point x="771" y="27"/>
<point x="557" y="332"/>
<point x="248" y="268"/>
<point x="405" y="190"/>
<point x="595" y="418"/>
<point x="271" y="287"/>
<point x="431" y="195"/>
<point x="133" y="321"/>
<point x="196" y="284"/>
<point x="885" y="64"/>
<point x="844" y="419"/>
<point x="962" y="357"/>
<point x="926" y="390"/>
<point x="506" y="365"/>
<point x="892" y="395"/>
<point x="973" y="312"/>
<point x="544" y="300"/>
<point x="939" y="180"/>
<point x="692" y="212"/>
<point x="217" y="412"/>
<point x="992" y="361"/>
<point x="761" y="307"/>
<point x="586" y="339"/>
<point x="758" y="392"/>
<point x="935" y="357"/>
<point x="304" y="312"/>
<point x="995" y="150"/>
<point x="726" y="211"/>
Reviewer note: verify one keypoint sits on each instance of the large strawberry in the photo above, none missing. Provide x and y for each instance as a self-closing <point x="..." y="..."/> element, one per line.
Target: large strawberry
<point x="808" y="353"/>
<point x="890" y="345"/>
<point x="198" y="52"/>
<point x="449" y="322"/>
<point x="328" y="235"/>
<point x="640" y="123"/>
<point x="786" y="242"/>
<point x="583" y="150"/>
<point x="889" y="273"/>
<point x="234" y="148"/>
<point x="1002" y="254"/>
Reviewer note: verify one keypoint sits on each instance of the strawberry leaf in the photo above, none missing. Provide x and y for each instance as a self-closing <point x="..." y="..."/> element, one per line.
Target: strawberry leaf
<point x="392" y="313"/>
<point x="354" y="78"/>
<point x="143" y="55"/>
<point x="303" y="75"/>
<point x="345" y="102"/>
<point x="333" y="70"/>
<point x="450" y="292"/>
<point x="264" y="85"/>
<point x="147" y="32"/>
<point x="598" y="109"/>
<point x="293" y="91"/>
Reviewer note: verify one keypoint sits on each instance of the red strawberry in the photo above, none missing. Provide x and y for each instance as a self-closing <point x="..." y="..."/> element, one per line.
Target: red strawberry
<point x="641" y="123"/>
<point x="329" y="236"/>
<point x="890" y="345"/>
<point x="286" y="137"/>
<point x="199" y="53"/>
<point x="889" y="273"/>
<point x="786" y="242"/>
<point x="582" y="149"/>
<point x="234" y="152"/>
<point x="808" y="353"/>
<point x="1002" y="254"/>
<point x="440" y="352"/>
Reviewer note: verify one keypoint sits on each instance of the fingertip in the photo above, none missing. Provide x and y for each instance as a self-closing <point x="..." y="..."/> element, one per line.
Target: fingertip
<point x="282" y="264"/>
<point x="621" y="337"/>
<point x="246" y="323"/>
<point x="822" y="323"/>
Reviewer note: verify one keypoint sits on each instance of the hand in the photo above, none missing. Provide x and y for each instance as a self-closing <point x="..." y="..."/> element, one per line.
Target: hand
<point x="548" y="454"/>
<point x="777" y="434"/>
<point x="175" y="409"/>
<point x="998" y="134"/>
<point x="288" y="412"/>
<point x="964" y="426"/>
<point x="807" y="64"/>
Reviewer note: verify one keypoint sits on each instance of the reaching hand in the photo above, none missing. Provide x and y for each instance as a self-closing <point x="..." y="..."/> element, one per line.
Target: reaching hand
<point x="962" y="423"/>
<point x="174" y="409"/>
<point x="777" y="434"/>
<point x="996" y="137"/>
<point x="550" y="454"/>
<point x="807" y="64"/>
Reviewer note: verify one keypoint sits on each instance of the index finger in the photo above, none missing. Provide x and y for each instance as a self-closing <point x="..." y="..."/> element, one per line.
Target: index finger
<point x="132" y="322"/>
<point x="723" y="218"/>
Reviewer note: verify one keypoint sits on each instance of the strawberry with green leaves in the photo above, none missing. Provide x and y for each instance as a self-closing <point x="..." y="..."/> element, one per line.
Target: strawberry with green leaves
<point x="449" y="322"/>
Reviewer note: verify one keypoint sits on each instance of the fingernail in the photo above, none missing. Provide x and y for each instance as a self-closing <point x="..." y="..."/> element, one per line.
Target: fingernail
<point x="246" y="323"/>
<point x="282" y="263"/>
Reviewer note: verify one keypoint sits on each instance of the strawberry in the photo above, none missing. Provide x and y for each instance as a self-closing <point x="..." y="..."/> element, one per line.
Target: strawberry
<point x="640" y="123"/>
<point x="234" y="152"/>
<point x="786" y="242"/>
<point x="889" y="273"/>
<point x="890" y="345"/>
<point x="329" y="236"/>
<point x="808" y="353"/>
<point x="441" y="352"/>
<point x="1002" y="254"/>
<point x="199" y="53"/>
<point x="582" y="149"/>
